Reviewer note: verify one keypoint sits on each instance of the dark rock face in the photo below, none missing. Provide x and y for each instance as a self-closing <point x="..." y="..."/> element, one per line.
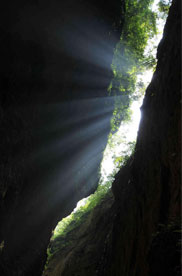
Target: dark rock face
<point x="151" y="194"/>
<point x="146" y="190"/>
<point x="85" y="250"/>
<point x="54" y="117"/>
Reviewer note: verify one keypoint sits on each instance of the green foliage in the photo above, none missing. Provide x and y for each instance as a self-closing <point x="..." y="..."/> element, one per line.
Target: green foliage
<point x="75" y="219"/>
<point x="149" y="62"/>
<point x="129" y="59"/>
<point x="121" y="160"/>
<point x="140" y="26"/>
<point x="63" y="235"/>
<point x="164" y="6"/>
<point x="121" y="113"/>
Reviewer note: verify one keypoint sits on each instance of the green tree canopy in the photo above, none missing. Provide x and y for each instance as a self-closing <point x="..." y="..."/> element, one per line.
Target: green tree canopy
<point x="129" y="58"/>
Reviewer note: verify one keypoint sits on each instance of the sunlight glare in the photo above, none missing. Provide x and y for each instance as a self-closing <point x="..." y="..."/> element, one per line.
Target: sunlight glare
<point x="126" y="133"/>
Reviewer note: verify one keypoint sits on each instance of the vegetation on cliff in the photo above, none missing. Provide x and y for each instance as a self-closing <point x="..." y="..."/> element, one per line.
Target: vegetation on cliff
<point x="130" y="58"/>
<point x="142" y="191"/>
<point x="129" y="61"/>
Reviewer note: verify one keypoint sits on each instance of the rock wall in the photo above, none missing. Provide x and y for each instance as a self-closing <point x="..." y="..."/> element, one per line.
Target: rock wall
<point x="54" y="117"/>
<point x="150" y="192"/>
<point x="120" y="238"/>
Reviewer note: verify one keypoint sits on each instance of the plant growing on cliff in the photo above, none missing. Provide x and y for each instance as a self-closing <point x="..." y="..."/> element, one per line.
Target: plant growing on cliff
<point x="164" y="6"/>
<point x="129" y="58"/>
<point x="65" y="229"/>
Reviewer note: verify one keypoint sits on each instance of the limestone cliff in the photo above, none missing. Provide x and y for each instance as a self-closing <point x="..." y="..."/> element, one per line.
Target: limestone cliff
<point x="118" y="236"/>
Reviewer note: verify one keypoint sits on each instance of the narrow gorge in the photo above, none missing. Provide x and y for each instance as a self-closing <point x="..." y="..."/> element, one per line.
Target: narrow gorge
<point x="55" y="118"/>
